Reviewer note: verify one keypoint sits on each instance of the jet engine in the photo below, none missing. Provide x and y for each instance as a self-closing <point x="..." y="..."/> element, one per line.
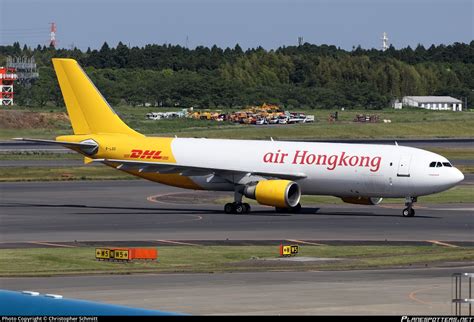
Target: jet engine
<point x="276" y="193"/>
<point x="363" y="200"/>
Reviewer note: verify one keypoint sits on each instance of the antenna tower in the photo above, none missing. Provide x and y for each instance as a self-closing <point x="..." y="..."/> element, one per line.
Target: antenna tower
<point x="52" y="39"/>
<point x="384" y="41"/>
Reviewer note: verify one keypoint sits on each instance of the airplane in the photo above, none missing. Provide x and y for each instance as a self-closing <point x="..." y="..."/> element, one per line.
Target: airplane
<point x="274" y="173"/>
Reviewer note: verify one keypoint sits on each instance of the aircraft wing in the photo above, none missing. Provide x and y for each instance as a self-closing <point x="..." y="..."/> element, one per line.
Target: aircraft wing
<point x="190" y="170"/>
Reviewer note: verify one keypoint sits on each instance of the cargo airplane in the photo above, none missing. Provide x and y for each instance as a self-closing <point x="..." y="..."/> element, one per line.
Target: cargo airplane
<point x="274" y="173"/>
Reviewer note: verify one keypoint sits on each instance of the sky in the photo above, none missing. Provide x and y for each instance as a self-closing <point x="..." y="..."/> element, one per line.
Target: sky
<point x="250" y="23"/>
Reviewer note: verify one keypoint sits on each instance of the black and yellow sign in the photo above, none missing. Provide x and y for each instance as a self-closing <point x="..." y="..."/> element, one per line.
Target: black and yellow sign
<point x="288" y="250"/>
<point x="112" y="254"/>
<point x="102" y="253"/>
<point x="120" y="254"/>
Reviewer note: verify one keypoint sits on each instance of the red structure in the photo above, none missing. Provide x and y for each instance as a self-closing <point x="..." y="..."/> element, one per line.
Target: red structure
<point x="52" y="40"/>
<point x="7" y="77"/>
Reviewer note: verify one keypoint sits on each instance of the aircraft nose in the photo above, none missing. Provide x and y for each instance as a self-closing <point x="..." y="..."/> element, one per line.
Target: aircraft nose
<point x="458" y="176"/>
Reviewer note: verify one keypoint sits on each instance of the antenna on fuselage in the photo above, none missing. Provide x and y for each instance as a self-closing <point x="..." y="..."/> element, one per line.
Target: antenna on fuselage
<point x="396" y="143"/>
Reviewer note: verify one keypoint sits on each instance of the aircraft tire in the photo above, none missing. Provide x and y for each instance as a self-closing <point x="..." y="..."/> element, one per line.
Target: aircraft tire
<point x="408" y="212"/>
<point x="247" y="208"/>
<point x="229" y="208"/>
<point x="239" y="208"/>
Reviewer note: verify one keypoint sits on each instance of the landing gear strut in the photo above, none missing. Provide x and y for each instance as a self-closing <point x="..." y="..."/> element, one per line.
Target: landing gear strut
<point x="409" y="211"/>
<point x="237" y="207"/>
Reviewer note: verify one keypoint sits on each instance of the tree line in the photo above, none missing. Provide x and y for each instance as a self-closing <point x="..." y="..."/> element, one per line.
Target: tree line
<point x="306" y="76"/>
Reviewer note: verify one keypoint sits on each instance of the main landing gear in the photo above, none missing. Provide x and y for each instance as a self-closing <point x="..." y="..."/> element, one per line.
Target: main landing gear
<point x="409" y="211"/>
<point x="237" y="207"/>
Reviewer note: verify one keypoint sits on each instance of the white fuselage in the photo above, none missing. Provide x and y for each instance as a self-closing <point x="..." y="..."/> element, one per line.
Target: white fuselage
<point x="337" y="169"/>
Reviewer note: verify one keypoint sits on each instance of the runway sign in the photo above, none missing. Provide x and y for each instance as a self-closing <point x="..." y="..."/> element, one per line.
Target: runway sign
<point x="289" y="250"/>
<point x="126" y="254"/>
<point x="102" y="253"/>
<point x="120" y="254"/>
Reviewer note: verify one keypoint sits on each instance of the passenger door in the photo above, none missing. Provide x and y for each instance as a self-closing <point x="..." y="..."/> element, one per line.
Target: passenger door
<point x="404" y="166"/>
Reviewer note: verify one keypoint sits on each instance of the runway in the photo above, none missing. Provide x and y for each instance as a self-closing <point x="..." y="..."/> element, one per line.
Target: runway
<point x="381" y="292"/>
<point x="142" y="210"/>
<point x="61" y="214"/>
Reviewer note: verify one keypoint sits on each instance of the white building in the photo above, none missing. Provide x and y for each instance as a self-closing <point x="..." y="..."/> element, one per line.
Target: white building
<point x="442" y="103"/>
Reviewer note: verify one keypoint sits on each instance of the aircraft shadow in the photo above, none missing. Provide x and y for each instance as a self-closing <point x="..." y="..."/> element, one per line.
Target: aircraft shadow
<point x="255" y="213"/>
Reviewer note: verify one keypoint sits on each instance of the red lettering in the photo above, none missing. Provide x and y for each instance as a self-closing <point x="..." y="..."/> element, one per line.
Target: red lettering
<point x="362" y="160"/>
<point x="147" y="154"/>
<point x="267" y="158"/>
<point x="300" y="156"/>
<point x="353" y="161"/>
<point x="310" y="159"/>
<point x="135" y="153"/>
<point x="283" y="156"/>
<point x="375" y="163"/>
<point x="342" y="160"/>
<point x="322" y="158"/>
<point x="157" y="155"/>
<point x="332" y="162"/>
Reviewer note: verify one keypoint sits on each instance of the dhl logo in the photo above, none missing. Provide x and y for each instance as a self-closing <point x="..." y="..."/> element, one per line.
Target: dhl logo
<point x="147" y="154"/>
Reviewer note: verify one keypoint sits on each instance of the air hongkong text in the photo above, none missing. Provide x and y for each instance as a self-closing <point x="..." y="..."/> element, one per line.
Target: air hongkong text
<point x="330" y="161"/>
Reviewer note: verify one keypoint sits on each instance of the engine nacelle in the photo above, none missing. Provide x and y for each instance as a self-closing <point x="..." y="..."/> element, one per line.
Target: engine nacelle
<point x="363" y="200"/>
<point x="276" y="193"/>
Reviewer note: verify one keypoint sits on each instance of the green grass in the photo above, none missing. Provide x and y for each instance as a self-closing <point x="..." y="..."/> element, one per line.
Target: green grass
<point x="60" y="261"/>
<point x="61" y="174"/>
<point x="38" y="155"/>
<point x="464" y="153"/>
<point x="406" y="123"/>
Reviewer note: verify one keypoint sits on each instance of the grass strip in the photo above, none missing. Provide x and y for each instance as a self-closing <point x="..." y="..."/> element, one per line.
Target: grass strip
<point x="406" y="123"/>
<point x="194" y="259"/>
<point x="61" y="174"/>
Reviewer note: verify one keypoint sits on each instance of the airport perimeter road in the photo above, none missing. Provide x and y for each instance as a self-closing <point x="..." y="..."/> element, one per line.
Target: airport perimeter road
<point x="120" y="210"/>
<point x="381" y="292"/>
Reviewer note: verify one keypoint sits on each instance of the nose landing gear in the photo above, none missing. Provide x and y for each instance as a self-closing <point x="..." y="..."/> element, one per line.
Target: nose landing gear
<point x="409" y="211"/>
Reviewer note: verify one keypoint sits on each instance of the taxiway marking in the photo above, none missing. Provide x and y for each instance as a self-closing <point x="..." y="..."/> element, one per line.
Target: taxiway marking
<point x="175" y="242"/>
<point x="304" y="242"/>
<point x="413" y="297"/>
<point x="442" y="244"/>
<point x="51" y="244"/>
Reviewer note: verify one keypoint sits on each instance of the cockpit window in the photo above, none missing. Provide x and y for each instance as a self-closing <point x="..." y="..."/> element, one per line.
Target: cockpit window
<point x="435" y="164"/>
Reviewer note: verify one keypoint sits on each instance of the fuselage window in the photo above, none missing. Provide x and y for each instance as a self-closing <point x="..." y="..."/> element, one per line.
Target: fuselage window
<point x="433" y="164"/>
<point x="438" y="164"/>
<point x="447" y="164"/>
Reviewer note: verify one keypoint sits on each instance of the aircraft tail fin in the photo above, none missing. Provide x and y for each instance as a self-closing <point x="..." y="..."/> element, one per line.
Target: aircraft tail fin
<point x="88" y="110"/>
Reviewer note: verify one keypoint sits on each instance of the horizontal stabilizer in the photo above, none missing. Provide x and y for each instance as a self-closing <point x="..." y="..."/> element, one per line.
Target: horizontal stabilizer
<point x="63" y="143"/>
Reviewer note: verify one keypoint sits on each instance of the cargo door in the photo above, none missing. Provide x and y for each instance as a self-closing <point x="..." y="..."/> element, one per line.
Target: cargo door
<point x="404" y="166"/>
